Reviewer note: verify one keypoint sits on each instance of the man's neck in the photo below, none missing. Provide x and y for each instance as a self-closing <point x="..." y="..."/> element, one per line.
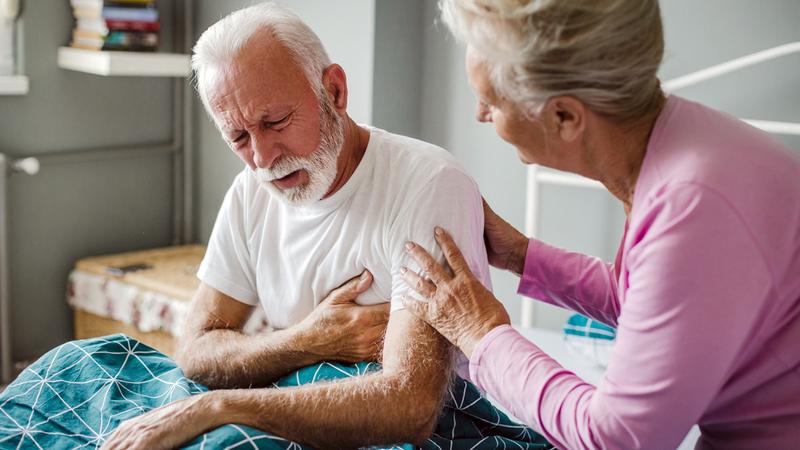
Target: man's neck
<point x="356" y="139"/>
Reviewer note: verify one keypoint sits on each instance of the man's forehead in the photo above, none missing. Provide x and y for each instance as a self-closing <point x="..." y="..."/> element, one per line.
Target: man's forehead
<point x="262" y="79"/>
<point x="235" y="110"/>
<point x="250" y="95"/>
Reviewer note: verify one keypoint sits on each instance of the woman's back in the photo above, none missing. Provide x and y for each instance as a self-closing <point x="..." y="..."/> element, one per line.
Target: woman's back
<point x="756" y="180"/>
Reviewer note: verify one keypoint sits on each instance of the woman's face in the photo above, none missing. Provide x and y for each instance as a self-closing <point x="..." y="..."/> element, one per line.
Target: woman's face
<point x="528" y="136"/>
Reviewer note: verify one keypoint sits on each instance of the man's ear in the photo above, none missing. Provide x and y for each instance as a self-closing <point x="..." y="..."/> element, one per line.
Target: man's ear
<point x="566" y="116"/>
<point x="335" y="82"/>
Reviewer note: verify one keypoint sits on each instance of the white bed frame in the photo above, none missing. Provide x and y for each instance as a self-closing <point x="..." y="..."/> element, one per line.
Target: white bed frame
<point x="538" y="175"/>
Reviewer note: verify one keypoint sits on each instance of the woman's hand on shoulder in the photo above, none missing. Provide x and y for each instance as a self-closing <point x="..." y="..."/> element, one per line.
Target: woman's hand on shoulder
<point x="505" y="245"/>
<point x="455" y="303"/>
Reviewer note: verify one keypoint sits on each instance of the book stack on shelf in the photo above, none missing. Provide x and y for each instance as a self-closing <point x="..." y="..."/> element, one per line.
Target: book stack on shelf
<point x="126" y="25"/>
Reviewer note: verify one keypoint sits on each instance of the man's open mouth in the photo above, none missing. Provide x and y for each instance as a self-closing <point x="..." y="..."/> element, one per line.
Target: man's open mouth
<point x="287" y="181"/>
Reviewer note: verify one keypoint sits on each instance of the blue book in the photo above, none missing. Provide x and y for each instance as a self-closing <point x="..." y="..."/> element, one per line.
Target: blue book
<point x="131" y="14"/>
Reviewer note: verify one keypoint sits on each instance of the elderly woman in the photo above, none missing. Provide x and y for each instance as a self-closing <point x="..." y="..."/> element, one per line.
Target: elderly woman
<point x="705" y="289"/>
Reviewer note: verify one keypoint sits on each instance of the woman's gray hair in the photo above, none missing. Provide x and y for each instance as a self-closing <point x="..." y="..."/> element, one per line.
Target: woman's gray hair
<point x="221" y="42"/>
<point x="605" y="53"/>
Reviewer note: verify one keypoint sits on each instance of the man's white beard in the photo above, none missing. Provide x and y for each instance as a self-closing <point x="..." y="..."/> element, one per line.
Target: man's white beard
<point x="321" y="165"/>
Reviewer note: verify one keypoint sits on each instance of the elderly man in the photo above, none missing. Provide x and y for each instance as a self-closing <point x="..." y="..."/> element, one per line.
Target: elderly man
<point x="321" y="201"/>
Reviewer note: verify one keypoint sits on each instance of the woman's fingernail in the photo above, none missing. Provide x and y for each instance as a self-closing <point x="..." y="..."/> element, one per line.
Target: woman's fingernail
<point x="438" y="231"/>
<point x="409" y="245"/>
<point x="403" y="271"/>
<point x="365" y="275"/>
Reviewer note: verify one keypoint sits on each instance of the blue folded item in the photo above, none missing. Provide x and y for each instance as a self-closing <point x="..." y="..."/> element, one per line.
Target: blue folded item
<point x="590" y="339"/>
<point x="77" y="394"/>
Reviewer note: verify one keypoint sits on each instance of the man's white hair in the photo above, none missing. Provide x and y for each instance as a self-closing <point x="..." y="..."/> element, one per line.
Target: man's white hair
<point x="221" y="42"/>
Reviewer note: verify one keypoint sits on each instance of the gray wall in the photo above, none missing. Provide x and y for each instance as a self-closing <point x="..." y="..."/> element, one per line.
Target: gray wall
<point x="397" y="83"/>
<point x="698" y="34"/>
<point x="70" y="211"/>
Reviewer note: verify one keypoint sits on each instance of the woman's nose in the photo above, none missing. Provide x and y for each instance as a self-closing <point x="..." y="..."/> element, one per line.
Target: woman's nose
<point x="483" y="113"/>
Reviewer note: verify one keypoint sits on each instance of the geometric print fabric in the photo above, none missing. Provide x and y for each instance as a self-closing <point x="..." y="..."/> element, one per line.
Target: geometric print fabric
<point x="76" y="395"/>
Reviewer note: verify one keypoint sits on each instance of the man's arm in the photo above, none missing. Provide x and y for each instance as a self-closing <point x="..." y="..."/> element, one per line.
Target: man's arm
<point x="214" y="351"/>
<point x="399" y="404"/>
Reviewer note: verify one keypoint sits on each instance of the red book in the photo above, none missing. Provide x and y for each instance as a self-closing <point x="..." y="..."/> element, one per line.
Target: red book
<point x="131" y="25"/>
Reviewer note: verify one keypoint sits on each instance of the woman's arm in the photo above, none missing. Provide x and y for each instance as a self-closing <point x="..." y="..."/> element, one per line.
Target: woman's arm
<point x="574" y="281"/>
<point x="697" y="283"/>
<point x="577" y="282"/>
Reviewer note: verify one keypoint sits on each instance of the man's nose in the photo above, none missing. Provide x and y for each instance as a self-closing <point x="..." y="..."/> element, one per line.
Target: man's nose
<point x="265" y="152"/>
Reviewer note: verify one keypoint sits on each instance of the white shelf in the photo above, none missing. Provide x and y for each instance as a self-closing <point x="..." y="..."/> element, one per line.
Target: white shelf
<point x="13" y="85"/>
<point x="131" y="64"/>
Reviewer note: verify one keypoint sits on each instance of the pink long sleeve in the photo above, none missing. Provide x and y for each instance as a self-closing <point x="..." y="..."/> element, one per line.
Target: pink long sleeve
<point x="676" y="340"/>
<point x="578" y="282"/>
<point x="709" y="301"/>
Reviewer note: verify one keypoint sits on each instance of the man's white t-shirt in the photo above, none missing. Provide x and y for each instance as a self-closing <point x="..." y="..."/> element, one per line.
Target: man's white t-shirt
<point x="288" y="258"/>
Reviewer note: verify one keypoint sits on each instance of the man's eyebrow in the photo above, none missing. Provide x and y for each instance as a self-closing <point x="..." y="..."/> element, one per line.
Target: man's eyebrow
<point x="278" y="109"/>
<point x="229" y="130"/>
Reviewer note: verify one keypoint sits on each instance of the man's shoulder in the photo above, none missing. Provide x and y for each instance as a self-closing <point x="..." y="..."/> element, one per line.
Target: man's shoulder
<point x="407" y="150"/>
<point x="416" y="164"/>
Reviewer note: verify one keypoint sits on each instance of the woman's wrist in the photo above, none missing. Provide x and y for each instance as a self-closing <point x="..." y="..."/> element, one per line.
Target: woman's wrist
<point x="470" y="340"/>
<point x="517" y="260"/>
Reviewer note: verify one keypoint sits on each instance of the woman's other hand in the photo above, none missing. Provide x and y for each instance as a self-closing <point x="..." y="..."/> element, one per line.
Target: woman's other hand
<point x="505" y="246"/>
<point x="458" y="306"/>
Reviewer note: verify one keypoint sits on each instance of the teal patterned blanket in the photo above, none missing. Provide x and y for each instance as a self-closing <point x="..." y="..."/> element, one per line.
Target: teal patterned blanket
<point x="77" y="394"/>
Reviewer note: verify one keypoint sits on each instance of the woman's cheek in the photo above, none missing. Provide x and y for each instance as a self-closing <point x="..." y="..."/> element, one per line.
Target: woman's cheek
<point x="508" y="130"/>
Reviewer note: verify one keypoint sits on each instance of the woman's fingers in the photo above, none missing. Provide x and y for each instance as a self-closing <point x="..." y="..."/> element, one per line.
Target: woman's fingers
<point x="451" y="252"/>
<point x="423" y="286"/>
<point x="429" y="266"/>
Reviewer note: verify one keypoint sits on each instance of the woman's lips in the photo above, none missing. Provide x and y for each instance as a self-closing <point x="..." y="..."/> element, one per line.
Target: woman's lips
<point x="289" y="181"/>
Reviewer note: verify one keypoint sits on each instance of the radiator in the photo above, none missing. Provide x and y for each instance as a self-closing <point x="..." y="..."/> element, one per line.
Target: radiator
<point x="7" y="167"/>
